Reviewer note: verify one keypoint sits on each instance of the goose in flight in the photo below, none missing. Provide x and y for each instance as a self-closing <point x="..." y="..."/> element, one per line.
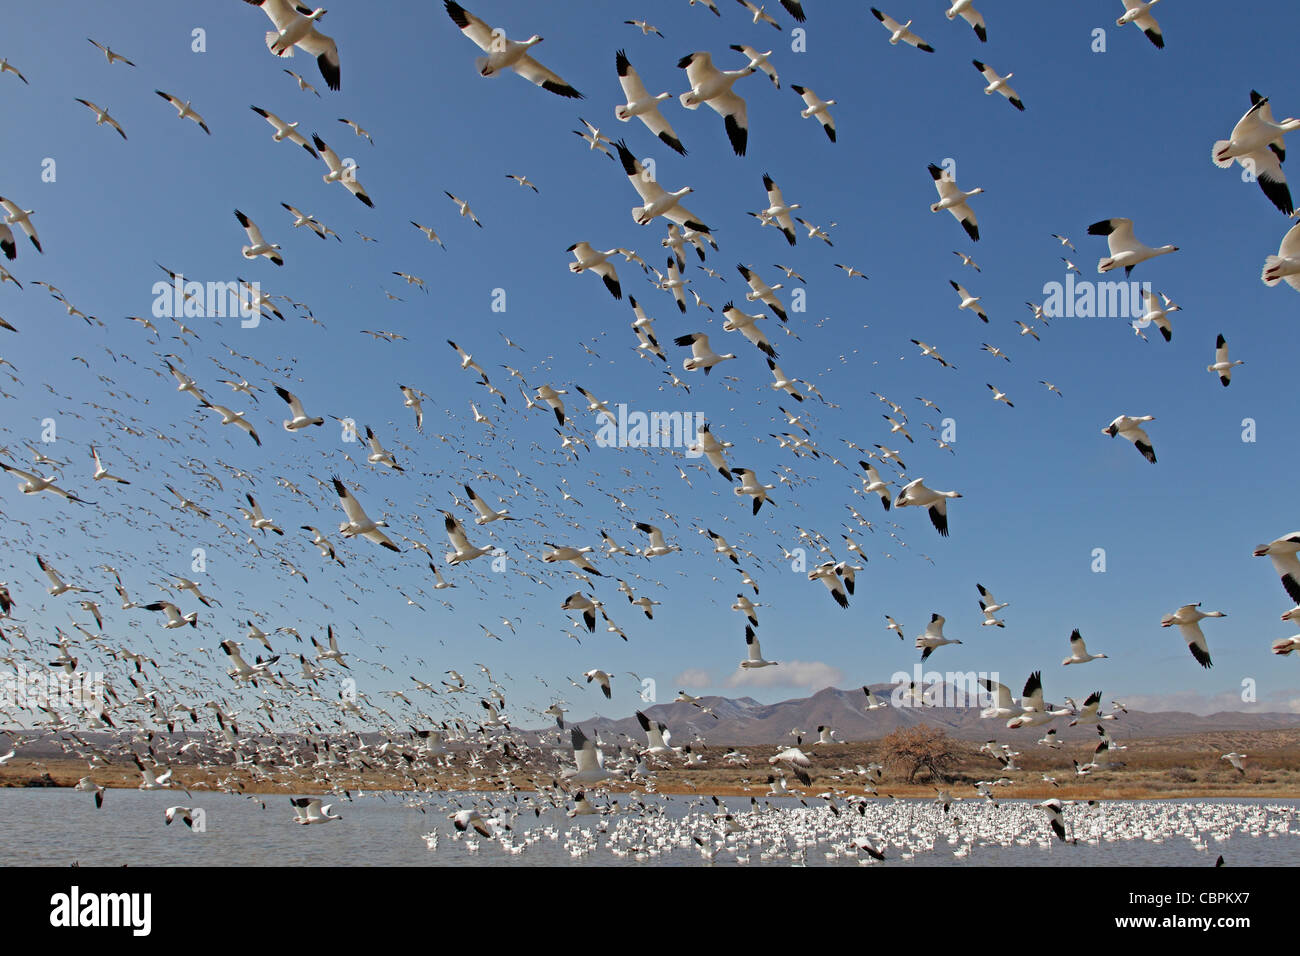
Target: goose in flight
<point x="1222" y="367"/>
<point x="735" y="320"/>
<point x="330" y="650"/>
<point x="300" y="417"/>
<point x="998" y="84"/>
<point x="359" y="523"/>
<point x="1258" y="143"/>
<point x="759" y="61"/>
<point x="778" y="210"/>
<point x="1079" y="651"/>
<point x="838" y="578"/>
<point x="760" y="13"/>
<point x="589" y="260"/>
<point x="1282" y="552"/>
<point x="589" y="761"/>
<point x="713" y="86"/>
<point x="754" y="652"/>
<point x="702" y="356"/>
<point x="933" y="637"/>
<point x="751" y="486"/>
<point x="183" y="110"/>
<point x="1139" y="12"/>
<point x="486" y="513"/>
<point x="601" y="678"/>
<point x="999" y="395"/>
<point x="1188" y="618"/>
<point x="34" y="484"/>
<point x="641" y="104"/>
<point x="295" y="25"/>
<point x="657" y="736"/>
<point x="379" y="455"/>
<point x="955" y="200"/>
<point x="577" y="601"/>
<point x="7" y="67"/>
<point x="876" y="486"/>
<point x="174" y="616"/>
<point x="656" y="201"/>
<point x="815" y="106"/>
<point x="658" y="547"/>
<point x="57" y="586"/>
<point x="284" y="130"/>
<point x="988" y="602"/>
<point x="15" y="215"/>
<point x="258" y="245"/>
<point x="465" y="211"/>
<point x="900" y="31"/>
<point x="1156" y="309"/>
<point x="1236" y="760"/>
<point x="969" y="301"/>
<point x="308" y="810"/>
<point x="506" y="54"/>
<point x="522" y="181"/>
<point x="229" y="417"/>
<point x="966" y="10"/>
<point x="456" y="535"/>
<point x="1055" y="816"/>
<point x="760" y="291"/>
<point x="1001" y="705"/>
<point x="339" y="173"/>
<point x="1131" y="429"/>
<point x="917" y="494"/>
<point x="1283" y="266"/>
<point x="102" y="117"/>
<point x="101" y="473"/>
<point x="1125" y="249"/>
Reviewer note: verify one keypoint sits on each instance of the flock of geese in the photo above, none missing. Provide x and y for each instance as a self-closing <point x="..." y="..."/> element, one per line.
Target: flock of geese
<point x="265" y="688"/>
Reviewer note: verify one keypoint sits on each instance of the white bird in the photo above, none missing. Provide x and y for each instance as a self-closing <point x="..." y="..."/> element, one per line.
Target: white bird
<point x="1156" y="309"/>
<point x="876" y="486"/>
<point x="340" y="173"/>
<point x="308" y="810"/>
<point x="295" y="25"/>
<point x="589" y="761"/>
<point x="1131" y="428"/>
<point x="1188" y="618"/>
<point x="1258" y="143"/>
<point x="901" y="32"/>
<point x="955" y="200"/>
<point x="1283" y="266"/>
<point x="915" y="493"/>
<point x="590" y="260"/>
<point x="465" y="211"/>
<point x="34" y="484"/>
<point x="735" y="320"/>
<point x="933" y="637"/>
<point x="1139" y="12"/>
<point x="713" y="86"/>
<point x="184" y="111"/>
<point x="1236" y="760"/>
<point x="751" y="486"/>
<point x="658" y="547"/>
<point x="258" y="245"/>
<point x="998" y="84"/>
<point x="1282" y="552"/>
<point x="759" y="61"/>
<point x="15" y="215"/>
<point x="174" y="616"/>
<point x="7" y="67"/>
<point x="760" y="291"/>
<point x="300" y="417"/>
<point x="506" y="54"/>
<point x="969" y="301"/>
<point x="102" y="117"/>
<point x="1079" y="651"/>
<point x="1222" y="367"/>
<point x="359" y="523"/>
<point x="815" y="106"/>
<point x="284" y="130"/>
<point x="702" y="356"/>
<point x="464" y="551"/>
<point x="641" y="104"/>
<point x="1125" y="249"/>
<point x="966" y="10"/>
<point x="754" y="652"/>
<point x="656" y="201"/>
<point x="778" y="210"/>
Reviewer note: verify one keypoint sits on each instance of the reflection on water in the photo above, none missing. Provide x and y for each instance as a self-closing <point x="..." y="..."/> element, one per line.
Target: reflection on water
<point x="58" y="827"/>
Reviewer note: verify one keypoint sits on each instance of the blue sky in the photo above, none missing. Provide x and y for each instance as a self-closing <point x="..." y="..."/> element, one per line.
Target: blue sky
<point x="1125" y="132"/>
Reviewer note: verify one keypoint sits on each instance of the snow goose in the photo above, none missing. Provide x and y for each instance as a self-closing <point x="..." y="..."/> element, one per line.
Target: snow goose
<point x="1156" y="309"/>
<point x="998" y="84"/>
<point x="1079" y="651"/>
<point x="506" y="54"/>
<point x="1125" y="249"/>
<point x="657" y="736"/>
<point x="174" y="616"/>
<point x="1283" y="266"/>
<point x="837" y="577"/>
<point x="900" y="31"/>
<point x="486" y="513"/>
<point x="713" y="450"/>
<point x="955" y="200"/>
<point x="1282" y="552"/>
<point x="575" y="556"/>
<point x="588" y="259"/>
<point x="284" y="130"/>
<point x="933" y="637"/>
<point x="7" y="67"/>
<point x="57" y="586"/>
<point x="702" y="356"/>
<point x="102" y="117"/>
<point x="1131" y="429"/>
<point x="735" y="320"/>
<point x="969" y="301"/>
<point x="295" y="25"/>
<point x="101" y="473"/>
<point x="551" y="396"/>
<point x="988" y="602"/>
<point x="656" y="201"/>
<point x="589" y="762"/>
<point x="356" y="128"/>
<point x="465" y="211"/>
<point x="645" y="27"/>
<point x="815" y="106"/>
<point x="1088" y="715"/>
<point x="713" y="86"/>
<point x="658" y="547"/>
<point x="229" y="417"/>
<point x="308" y="810"/>
<point x="778" y="210"/>
<point x="300" y="417"/>
<point x="759" y="61"/>
<point x="258" y="245"/>
<point x="183" y="110"/>
<point x="34" y="484"/>
<point x="379" y="455"/>
<point x="464" y="551"/>
<point x="1222" y="367"/>
<point x="966" y="10"/>
<point x="917" y="494"/>
<point x="999" y="396"/>
<point x="641" y="104"/>
<point x="339" y="173"/>
<point x="1055" y="816"/>
<point x="877" y="486"/>
<point x="1001" y="705"/>
<point x="1188" y="619"/>
<point x="359" y="523"/>
<point x="1139" y="12"/>
<point x="1258" y="144"/>
<point x="751" y="486"/>
<point x="754" y="652"/>
<point x="760" y="291"/>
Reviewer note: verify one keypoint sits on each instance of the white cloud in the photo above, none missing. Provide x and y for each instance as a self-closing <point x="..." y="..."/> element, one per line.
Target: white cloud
<point x="694" y="678"/>
<point x="1194" y="702"/>
<point x="809" y="675"/>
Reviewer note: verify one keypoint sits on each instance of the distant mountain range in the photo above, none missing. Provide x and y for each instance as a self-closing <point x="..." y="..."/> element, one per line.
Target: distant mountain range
<point x="745" y="721"/>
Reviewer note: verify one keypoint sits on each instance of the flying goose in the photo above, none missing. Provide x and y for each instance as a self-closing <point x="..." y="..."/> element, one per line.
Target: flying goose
<point x="1282" y="552"/>
<point x="359" y="523"/>
<point x="754" y="652"/>
<point x="760" y="291"/>
<point x="656" y="201"/>
<point x="1079" y="651"/>
<point x="1187" y="618"/>
<point x="751" y="486"/>
<point x="34" y="484"/>
<point x="588" y="259"/>
<point x="308" y="810"/>
<point x="658" y="547"/>
<point x="174" y="616"/>
<point x="300" y="417"/>
<point x="759" y="61"/>
<point x="284" y="130"/>
<point x="641" y="104"/>
<point x="101" y="116"/>
<point x="183" y="110"/>
<point x="1222" y="367"/>
<point x="1283" y="266"/>
<point x="966" y="10"/>
<point x="589" y="762"/>
<point x="1125" y="249"/>
<point x="998" y="84"/>
<point x="339" y="173"/>
<point x="1131" y="429"/>
<point x="506" y="54"/>
<point x="778" y="210"/>
<point x="815" y="106"/>
<point x="258" y="245"/>
<point x="900" y="31"/>
<point x="1139" y="12"/>
<point x="295" y="25"/>
<point x="456" y="535"/>
<point x="954" y="200"/>
<point x="702" y="356"/>
<point x="713" y="86"/>
<point x="7" y="67"/>
<point x="735" y="320"/>
<point x="915" y="493"/>
<point x="1258" y="143"/>
<point x="933" y="637"/>
<point x="969" y="301"/>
